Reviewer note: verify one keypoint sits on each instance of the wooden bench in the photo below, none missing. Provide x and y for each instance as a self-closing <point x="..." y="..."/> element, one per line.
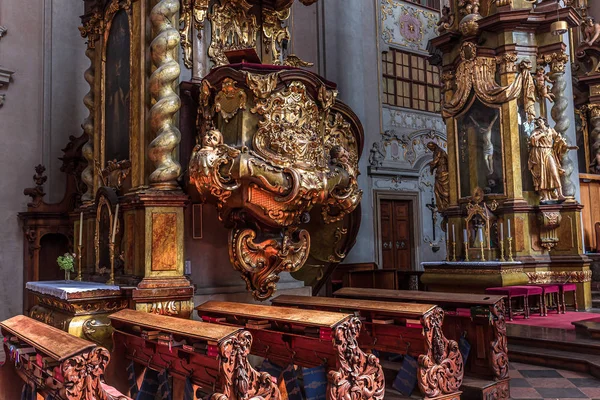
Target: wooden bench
<point x="479" y="316"/>
<point x="53" y="362"/>
<point x="415" y="329"/>
<point x="309" y="339"/>
<point x="217" y="360"/>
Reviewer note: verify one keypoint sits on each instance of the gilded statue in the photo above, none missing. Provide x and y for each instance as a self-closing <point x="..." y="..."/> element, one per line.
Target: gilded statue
<point x="591" y="31"/>
<point x="540" y="84"/>
<point x="546" y="150"/>
<point x="446" y="20"/>
<point x="442" y="180"/>
<point x="488" y="146"/>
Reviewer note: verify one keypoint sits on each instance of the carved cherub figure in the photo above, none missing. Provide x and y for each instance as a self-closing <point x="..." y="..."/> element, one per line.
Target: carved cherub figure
<point x="446" y="20"/>
<point x="540" y="84"/>
<point x="591" y="31"/>
<point x="469" y="6"/>
<point x="377" y="155"/>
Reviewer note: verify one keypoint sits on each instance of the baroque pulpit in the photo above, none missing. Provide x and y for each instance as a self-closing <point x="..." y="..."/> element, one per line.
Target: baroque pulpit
<point x="513" y="214"/>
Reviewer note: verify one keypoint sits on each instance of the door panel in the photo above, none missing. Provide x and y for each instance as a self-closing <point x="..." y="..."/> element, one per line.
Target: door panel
<point x="396" y="232"/>
<point x="387" y="236"/>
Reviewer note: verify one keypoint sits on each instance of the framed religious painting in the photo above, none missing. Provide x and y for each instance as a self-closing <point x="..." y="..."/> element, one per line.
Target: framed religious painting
<point x="116" y="87"/>
<point x="480" y="156"/>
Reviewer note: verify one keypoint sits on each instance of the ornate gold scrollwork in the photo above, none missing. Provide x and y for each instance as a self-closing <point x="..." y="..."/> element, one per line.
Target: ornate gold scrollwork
<point x="274" y="33"/>
<point x="262" y="85"/>
<point x="298" y="155"/>
<point x="441" y="368"/>
<point x="195" y="10"/>
<point x="360" y="375"/>
<point x="241" y="381"/>
<point x="233" y="28"/>
<point x="293" y="60"/>
<point x="230" y="100"/>
<point x="559" y="276"/>
<point x="165" y="307"/>
<point x="260" y="263"/>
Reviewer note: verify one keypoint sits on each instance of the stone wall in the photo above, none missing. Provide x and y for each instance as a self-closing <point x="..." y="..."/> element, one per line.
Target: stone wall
<point x="43" y="106"/>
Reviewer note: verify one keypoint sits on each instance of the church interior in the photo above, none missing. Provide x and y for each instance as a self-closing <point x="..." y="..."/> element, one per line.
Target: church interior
<point x="299" y="199"/>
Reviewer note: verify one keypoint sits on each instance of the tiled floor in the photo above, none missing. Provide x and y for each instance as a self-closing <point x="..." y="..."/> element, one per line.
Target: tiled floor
<point x="533" y="382"/>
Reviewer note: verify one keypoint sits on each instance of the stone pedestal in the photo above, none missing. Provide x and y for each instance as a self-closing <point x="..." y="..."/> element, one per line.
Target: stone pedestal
<point x="79" y="308"/>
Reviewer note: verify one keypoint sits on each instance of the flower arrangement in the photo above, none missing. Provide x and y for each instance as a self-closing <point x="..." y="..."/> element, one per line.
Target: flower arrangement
<point x="66" y="262"/>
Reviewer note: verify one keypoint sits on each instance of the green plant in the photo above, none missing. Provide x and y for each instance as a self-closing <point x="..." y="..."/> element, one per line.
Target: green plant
<point x="66" y="262"/>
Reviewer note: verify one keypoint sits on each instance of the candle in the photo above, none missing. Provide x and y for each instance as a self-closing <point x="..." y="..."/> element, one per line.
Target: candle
<point x="465" y="236"/>
<point x="509" y="229"/>
<point x="501" y="231"/>
<point x="453" y="235"/>
<point x="447" y="231"/>
<point x="481" y="236"/>
<point x="114" y="232"/>
<point x="80" y="227"/>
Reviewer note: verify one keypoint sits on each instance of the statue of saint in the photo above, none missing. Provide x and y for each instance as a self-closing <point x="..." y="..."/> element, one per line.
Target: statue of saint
<point x="442" y="180"/>
<point x="591" y="31"/>
<point x="377" y="155"/>
<point x="546" y="150"/>
<point x="488" y="146"/>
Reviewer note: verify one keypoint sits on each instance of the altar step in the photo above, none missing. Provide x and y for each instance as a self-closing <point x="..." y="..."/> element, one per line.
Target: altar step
<point x="559" y="359"/>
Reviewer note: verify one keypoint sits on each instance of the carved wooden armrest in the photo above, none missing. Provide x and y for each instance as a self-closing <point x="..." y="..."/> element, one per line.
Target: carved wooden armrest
<point x="441" y="369"/>
<point x="499" y="359"/>
<point x="358" y="372"/>
<point x="240" y="379"/>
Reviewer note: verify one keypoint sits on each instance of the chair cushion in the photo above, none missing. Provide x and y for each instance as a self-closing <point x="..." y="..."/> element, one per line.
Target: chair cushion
<point x="569" y="287"/>
<point x="515" y="290"/>
<point x="548" y="287"/>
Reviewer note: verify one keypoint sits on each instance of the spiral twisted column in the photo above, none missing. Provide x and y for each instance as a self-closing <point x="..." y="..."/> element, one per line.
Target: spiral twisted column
<point x="557" y="62"/>
<point x="166" y="102"/>
<point x="87" y="175"/>
<point x="595" y="137"/>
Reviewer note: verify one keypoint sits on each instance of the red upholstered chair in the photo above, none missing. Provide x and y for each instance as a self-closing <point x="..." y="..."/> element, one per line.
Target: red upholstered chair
<point x="567" y="287"/>
<point x="551" y="289"/>
<point x="517" y="291"/>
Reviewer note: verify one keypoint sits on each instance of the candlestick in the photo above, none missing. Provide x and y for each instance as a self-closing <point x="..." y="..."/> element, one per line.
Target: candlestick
<point x="510" y="257"/>
<point x="454" y="251"/>
<point x="502" y="259"/>
<point x="447" y="244"/>
<point x="114" y="232"/>
<point x="466" y="249"/>
<point x="501" y="231"/>
<point x="111" y="251"/>
<point x="80" y="227"/>
<point x="453" y="234"/>
<point x="509" y="235"/>
<point x="481" y="244"/>
<point x="79" y="251"/>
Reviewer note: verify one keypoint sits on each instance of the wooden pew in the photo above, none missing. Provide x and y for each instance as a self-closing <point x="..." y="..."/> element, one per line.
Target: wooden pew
<point x="484" y="325"/>
<point x="56" y="362"/>
<point x="416" y="331"/>
<point x="219" y="365"/>
<point x="309" y="339"/>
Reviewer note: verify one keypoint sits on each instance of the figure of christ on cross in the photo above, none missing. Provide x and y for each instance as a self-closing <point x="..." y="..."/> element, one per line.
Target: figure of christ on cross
<point x="488" y="146"/>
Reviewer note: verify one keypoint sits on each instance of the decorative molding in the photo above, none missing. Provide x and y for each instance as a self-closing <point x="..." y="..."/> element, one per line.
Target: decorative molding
<point x="407" y="25"/>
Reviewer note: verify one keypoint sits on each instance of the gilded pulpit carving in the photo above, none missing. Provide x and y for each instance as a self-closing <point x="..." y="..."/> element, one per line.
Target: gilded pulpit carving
<point x="279" y="149"/>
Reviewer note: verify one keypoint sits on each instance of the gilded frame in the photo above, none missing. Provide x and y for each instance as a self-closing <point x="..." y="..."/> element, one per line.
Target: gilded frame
<point x="456" y="139"/>
<point x="111" y="9"/>
<point x="101" y="202"/>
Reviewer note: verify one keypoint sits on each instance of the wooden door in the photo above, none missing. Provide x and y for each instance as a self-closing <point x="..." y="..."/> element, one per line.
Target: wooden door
<point x="396" y="243"/>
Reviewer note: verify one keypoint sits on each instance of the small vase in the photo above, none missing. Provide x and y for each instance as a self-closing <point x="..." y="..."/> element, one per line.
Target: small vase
<point x="67" y="275"/>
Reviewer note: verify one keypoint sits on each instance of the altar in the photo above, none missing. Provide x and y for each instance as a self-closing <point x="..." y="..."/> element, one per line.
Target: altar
<point x="79" y="308"/>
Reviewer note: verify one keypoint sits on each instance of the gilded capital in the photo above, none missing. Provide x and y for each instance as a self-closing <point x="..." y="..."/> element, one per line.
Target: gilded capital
<point x="507" y="62"/>
<point x="557" y="61"/>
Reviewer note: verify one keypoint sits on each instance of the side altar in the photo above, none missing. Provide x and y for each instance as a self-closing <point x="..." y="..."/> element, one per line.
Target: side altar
<point x="506" y="186"/>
